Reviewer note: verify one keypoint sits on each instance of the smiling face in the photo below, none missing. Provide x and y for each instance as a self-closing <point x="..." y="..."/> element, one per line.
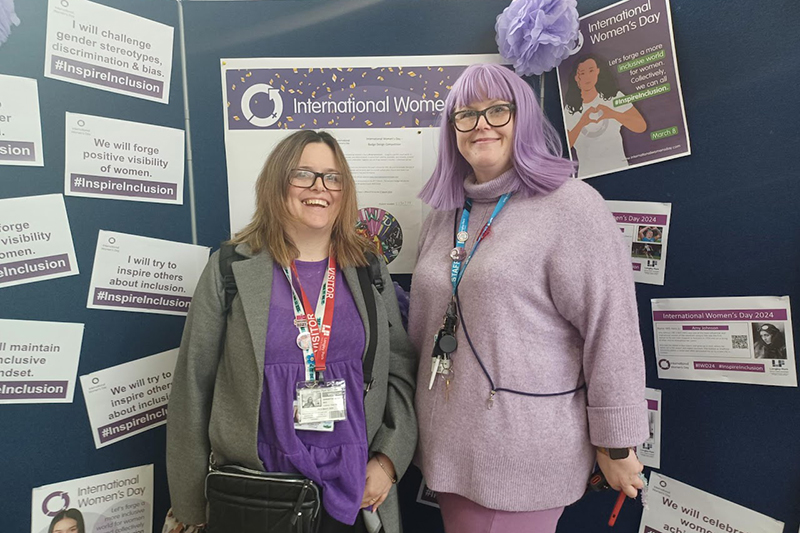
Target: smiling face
<point x="315" y="208"/>
<point x="67" y="525"/>
<point x="587" y="74"/>
<point x="487" y="149"/>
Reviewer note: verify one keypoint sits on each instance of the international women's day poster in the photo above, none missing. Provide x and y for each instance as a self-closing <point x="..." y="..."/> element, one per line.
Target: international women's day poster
<point x="111" y="502"/>
<point x="620" y="90"/>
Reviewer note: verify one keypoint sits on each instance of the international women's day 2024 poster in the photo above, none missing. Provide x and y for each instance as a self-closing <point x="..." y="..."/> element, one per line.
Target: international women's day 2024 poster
<point x="620" y="90"/>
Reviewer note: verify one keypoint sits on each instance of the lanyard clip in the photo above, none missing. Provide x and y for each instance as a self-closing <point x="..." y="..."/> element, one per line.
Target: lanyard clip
<point x="450" y="321"/>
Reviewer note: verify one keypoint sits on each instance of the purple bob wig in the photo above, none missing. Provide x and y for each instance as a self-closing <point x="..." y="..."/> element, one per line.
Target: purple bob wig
<point x="536" y="150"/>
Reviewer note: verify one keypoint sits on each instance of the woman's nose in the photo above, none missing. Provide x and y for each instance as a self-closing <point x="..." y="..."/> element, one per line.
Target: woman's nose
<point x="482" y="124"/>
<point x="318" y="184"/>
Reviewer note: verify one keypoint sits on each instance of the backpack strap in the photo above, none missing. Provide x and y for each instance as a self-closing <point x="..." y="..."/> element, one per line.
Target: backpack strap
<point x="375" y="271"/>
<point x="228" y="256"/>
<point x="367" y="277"/>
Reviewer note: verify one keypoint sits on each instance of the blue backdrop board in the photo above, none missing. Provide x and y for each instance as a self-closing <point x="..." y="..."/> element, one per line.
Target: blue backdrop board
<point x="49" y="443"/>
<point x="733" y="233"/>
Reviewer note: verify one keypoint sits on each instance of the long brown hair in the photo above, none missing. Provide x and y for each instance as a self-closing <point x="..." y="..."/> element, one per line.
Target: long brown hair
<point x="267" y="229"/>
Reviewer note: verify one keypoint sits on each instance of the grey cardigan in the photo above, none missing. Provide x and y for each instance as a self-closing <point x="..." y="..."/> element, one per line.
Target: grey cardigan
<point x="219" y="378"/>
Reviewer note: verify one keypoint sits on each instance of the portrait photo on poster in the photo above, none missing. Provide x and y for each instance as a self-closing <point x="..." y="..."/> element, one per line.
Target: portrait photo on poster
<point x="768" y="340"/>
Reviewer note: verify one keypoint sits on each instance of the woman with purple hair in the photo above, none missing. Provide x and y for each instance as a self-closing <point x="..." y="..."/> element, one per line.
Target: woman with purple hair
<point x="537" y="368"/>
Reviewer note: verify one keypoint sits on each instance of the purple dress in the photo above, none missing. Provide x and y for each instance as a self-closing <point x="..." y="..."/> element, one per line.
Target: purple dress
<point x="336" y="460"/>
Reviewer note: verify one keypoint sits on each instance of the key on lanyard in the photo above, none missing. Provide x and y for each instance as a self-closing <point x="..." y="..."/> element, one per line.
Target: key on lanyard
<point x="444" y="344"/>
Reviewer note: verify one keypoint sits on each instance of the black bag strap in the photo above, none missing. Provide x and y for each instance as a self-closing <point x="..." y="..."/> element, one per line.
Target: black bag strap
<point x="375" y="271"/>
<point x="228" y="256"/>
<point x="367" y="277"/>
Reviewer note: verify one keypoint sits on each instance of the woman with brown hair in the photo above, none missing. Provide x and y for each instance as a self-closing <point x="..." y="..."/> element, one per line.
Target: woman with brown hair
<point x="241" y="374"/>
<point x="67" y="521"/>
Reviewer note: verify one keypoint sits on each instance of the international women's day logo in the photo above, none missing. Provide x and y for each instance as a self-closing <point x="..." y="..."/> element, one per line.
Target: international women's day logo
<point x="262" y="105"/>
<point x="55" y="503"/>
<point x="364" y="97"/>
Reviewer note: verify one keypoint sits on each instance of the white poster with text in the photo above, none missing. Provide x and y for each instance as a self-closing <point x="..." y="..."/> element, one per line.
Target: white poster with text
<point x="35" y="240"/>
<point x="645" y="226"/>
<point x="141" y="274"/>
<point x="109" y="158"/>
<point x="130" y="398"/>
<point x="98" y="46"/>
<point x="114" y="502"/>
<point x="738" y="340"/>
<point x="383" y="111"/>
<point x="20" y="123"/>
<point x="649" y="452"/>
<point x="674" y="507"/>
<point x="38" y="361"/>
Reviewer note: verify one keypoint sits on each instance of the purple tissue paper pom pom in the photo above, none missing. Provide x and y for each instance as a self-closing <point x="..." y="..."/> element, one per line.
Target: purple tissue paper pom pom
<point x="537" y="35"/>
<point x="7" y="18"/>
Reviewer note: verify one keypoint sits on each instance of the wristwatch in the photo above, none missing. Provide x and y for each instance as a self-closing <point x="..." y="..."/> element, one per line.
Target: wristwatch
<point x="615" y="453"/>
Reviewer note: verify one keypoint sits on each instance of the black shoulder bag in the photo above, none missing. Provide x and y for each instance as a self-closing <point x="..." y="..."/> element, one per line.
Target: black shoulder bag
<point x="250" y="501"/>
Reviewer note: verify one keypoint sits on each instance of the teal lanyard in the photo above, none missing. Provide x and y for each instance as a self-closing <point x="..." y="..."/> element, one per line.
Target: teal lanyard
<point x="458" y="267"/>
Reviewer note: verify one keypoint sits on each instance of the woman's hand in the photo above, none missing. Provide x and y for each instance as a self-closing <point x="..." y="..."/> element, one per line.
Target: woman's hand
<point x="606" y="113"/>
<point x="586" y="118"/>
<point x="584" y="121"/>
<point x="379" y="482"/>
<point x="622" y="474"/>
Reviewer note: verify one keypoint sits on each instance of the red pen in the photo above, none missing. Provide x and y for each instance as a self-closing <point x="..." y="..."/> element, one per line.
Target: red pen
<point x="617" y="506"/>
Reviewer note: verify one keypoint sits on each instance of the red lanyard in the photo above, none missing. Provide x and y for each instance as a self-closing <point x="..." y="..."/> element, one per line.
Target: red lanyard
<point x="320" y="333"/>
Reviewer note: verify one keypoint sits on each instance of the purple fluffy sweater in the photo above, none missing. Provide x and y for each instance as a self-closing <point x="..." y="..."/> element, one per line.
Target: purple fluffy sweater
<point x="549" y="303"/>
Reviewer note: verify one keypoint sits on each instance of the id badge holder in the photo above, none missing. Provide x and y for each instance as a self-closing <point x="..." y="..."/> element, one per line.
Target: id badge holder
<point x="326" y="425"/>
<point x="319" y="402"/>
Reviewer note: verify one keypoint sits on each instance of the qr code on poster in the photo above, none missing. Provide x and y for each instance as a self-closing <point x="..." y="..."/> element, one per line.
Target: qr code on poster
<point x="739" y="341"/>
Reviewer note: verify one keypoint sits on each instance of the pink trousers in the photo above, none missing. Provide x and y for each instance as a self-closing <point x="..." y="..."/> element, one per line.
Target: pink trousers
<point x="461" y="515"/>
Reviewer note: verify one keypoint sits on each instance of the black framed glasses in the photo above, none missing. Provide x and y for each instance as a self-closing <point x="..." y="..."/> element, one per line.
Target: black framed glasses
<point x="306" y="179"/>
<point x="496" y="116"/>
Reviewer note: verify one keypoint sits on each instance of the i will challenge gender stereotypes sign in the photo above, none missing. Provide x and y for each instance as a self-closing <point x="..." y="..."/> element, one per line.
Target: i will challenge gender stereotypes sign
<point x="97" y="46"/>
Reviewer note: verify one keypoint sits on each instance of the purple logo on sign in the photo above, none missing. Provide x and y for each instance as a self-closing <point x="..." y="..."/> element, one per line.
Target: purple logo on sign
<point x="46" y="503"/>
<point x="663" y="364"/>
<point x="262" y="105"/>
